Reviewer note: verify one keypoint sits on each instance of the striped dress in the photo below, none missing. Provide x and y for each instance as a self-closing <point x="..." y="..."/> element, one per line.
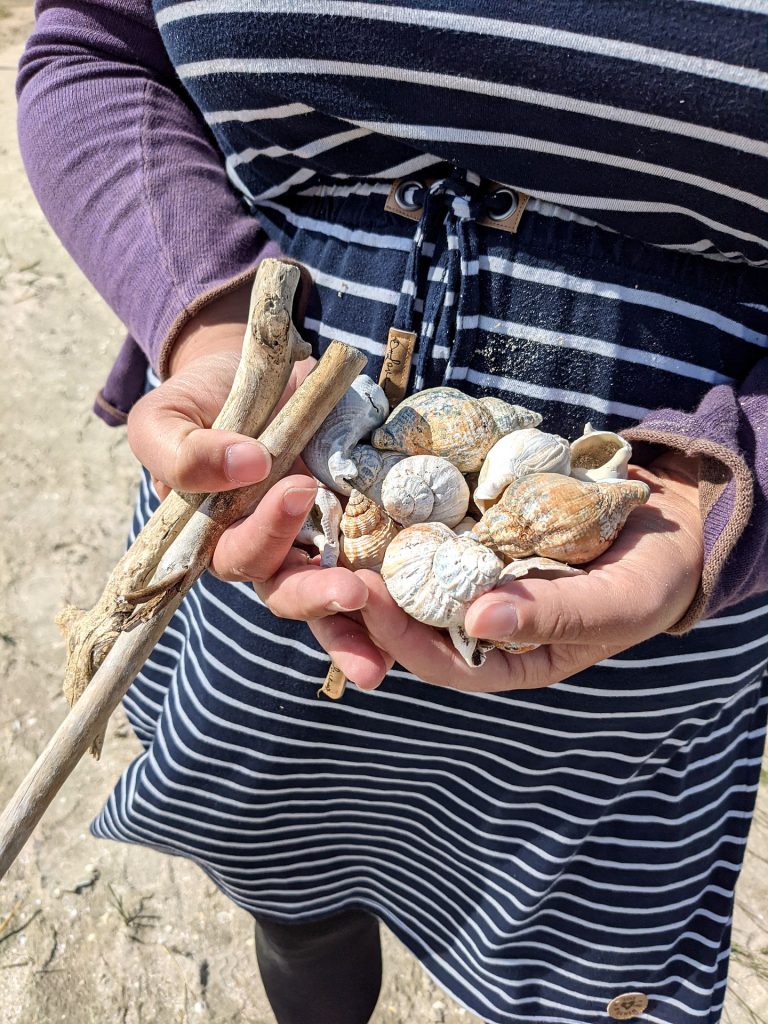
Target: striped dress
<point x="540" y="852"/>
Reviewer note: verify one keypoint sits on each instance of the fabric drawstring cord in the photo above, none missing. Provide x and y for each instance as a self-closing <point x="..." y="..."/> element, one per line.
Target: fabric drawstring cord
<point x="451" y="291"/>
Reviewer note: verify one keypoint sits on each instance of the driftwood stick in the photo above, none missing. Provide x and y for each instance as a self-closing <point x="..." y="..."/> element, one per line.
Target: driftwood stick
<point x="285" y="438"/>
<point x="270" y="347"/>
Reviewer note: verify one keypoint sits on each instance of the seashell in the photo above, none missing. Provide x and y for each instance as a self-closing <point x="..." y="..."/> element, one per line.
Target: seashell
<point x="366" y="531"/>
<point x="465" y="526"/>
<point x="475" y="651"/>
<point x="433" y="575"/>
<point x="509" y="417"/>
<point x="445" y="422"/>
<point x="327" y="455"/>
<point x="321" y="527"/>
<point x="559" y="517"/>
<point x="425" y="488"/>
<point x="600" y="455"/>
<point x="519" y="454"/>
<point x="372" y="468"/>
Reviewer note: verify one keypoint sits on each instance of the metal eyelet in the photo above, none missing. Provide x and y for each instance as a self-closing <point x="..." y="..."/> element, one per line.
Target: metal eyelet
<point x="501" y="204"/>
<point x="406" y="195"/>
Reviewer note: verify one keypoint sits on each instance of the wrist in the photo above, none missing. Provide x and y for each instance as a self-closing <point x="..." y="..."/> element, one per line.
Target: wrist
<point x="218" y="327"/>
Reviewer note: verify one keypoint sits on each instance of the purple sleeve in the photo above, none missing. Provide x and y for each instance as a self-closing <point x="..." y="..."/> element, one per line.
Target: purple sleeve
<point x="729" y="434"/>
<point x="128" y="178"/>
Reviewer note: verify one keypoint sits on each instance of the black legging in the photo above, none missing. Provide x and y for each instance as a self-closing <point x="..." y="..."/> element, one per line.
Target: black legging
<point x="326" y="972"/>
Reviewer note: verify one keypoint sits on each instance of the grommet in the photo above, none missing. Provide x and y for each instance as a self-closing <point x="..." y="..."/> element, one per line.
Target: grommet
<point x="406" y="192"/>
<point x="500" y="204"/>
<point x="627" y="1006"/>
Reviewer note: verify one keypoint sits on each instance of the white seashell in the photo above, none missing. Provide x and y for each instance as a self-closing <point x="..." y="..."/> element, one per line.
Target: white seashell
<point x="425" y="488"/>
<point x="600" y="455"/>
<point x="366" y="531"/>
<point x="519" y="454"/>
<point x="327" y="455"/>
<point x="465" y="526"/>
<point x="372" y="468"/>
<point x="321" y="527"/>
<point x="433" y="575"/>
<point x="538" y="567"/>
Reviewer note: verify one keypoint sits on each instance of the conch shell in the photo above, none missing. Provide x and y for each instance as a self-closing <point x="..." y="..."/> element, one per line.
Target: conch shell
<point x="425" y="488"/>
<point x="327" y="455"/>
<point x="475" y="651"/>
<point x="321" y="528"/>
<point x="366" y="531"/>
<point x="457" y="427"/>
<point x="600" y="455"/>
<point x="433" y="575"/>
<point x="559" y="517"/>
<point x="519" y="454"/>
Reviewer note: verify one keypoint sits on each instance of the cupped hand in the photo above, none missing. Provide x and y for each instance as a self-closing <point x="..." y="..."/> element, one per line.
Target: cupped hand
<point x="640" y="587"/>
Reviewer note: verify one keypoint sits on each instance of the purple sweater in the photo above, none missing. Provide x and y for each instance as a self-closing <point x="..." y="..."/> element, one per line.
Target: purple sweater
<point x="100" y="102"/>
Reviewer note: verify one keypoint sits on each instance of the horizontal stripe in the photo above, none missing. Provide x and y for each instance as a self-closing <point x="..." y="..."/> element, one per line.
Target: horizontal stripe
<point x="259" y="114"/>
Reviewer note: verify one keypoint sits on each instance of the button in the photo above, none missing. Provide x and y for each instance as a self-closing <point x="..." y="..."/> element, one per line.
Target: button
<point x="627" y="1006"/>
<point x="409" y="195"/>
<point x="501" y="204"/>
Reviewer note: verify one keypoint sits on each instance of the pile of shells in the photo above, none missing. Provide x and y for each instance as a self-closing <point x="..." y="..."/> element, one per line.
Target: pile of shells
<point x="448" y="496"/>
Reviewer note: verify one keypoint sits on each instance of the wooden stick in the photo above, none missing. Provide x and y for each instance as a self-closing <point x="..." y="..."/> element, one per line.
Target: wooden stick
<point x="270" y="347"/>
<point x="285" y="438"/>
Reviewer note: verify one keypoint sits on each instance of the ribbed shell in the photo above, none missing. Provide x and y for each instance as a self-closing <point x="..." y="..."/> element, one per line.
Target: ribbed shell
<point x="425" y="488"/>
<point x="366" y="531"/>
<point x="559" y="517"/>
<point x="600" y="455"/>
<point x="372" y="468"/>
<point x="445" y="422"/>
<point x="433" y="575"/>
<point x="322" y="525"/>
<point x="519" y="454"/>
<point x="327" y="455"/>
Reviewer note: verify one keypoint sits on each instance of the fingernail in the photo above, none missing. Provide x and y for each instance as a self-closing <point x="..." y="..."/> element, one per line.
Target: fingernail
<point x="246" y="462"/>
<point x="335" y="606"/>
<point x="297" y="501"/>
<point x="499" y="622"/>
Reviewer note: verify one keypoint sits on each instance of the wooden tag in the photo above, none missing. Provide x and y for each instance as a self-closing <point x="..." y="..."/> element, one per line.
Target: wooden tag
<point x="397" y="364"/>
<point x="334" y="684"/>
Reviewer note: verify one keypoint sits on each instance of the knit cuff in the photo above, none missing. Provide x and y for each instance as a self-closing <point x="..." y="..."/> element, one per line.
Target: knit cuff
<point x="725" y="502"/>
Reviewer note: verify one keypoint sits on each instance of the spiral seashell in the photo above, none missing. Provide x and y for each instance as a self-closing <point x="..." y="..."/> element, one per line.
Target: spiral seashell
<point x="425" y="488"/>
<point x="366" y="531"/>
<point x="372" y="468"/>
<point x="327" y="455"/>
<point x="465" y="526"/>
<point x="321" y="527"/>
<point x="509" y="417"/>
<point x="600" y="455"/>
<point x="519" y="454"/>
<point x="559" y="517"/>
<point x="433" y="575"/>
<point x="445" y="422"/>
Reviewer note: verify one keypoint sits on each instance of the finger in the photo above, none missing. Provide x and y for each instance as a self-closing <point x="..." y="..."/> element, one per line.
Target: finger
<point x="352" y="650"/>
<point x="311" y="592"/>
<point x="188" y="457"/>
<point x="599" y="608"/>
<point x="256" y="547"/>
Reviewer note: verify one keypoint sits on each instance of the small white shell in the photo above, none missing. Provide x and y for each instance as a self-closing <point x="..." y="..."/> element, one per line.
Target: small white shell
<point x="519" y="454"/>
<point x="538" y="567"/>
<point x="600" y="455"/>
<point x="433" y="575"/>
<point x="327" y="455"/>
<point x="465" y="526"/>
<point x="372" y="468"/>
<point x="425" y="488"/>
<point x="321" y="527"/>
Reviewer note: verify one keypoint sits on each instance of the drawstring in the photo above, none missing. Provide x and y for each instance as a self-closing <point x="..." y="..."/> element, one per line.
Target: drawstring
<point x="451" y="306"/>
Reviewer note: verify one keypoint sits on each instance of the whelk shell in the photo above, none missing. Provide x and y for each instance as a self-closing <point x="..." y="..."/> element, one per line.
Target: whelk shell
<point x="519" y="454"/>
<point x="445" y="422"/>
<point x="327" y="455"/>
<point x="425" y="488"/>
<point x="366" y="531"/>
<point x="600" y="455"/>
<point x="321" y="528"/>
<point x="372" y="468"/>
<point x="559" y="517"/>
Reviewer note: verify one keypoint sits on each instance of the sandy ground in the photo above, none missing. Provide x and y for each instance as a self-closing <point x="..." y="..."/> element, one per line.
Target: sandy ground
<point x="93" y="932"/>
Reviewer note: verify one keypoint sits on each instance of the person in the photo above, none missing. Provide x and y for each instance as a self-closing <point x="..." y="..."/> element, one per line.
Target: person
<point x="564" y="205"/>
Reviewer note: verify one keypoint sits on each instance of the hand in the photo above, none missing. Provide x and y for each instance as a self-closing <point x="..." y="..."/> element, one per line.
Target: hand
<point x="168" y="430"/>
<point x="641" y="586"/>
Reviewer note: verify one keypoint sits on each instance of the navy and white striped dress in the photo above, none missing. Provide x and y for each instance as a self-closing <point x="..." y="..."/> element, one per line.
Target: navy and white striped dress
<point x="540" y="852"/>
